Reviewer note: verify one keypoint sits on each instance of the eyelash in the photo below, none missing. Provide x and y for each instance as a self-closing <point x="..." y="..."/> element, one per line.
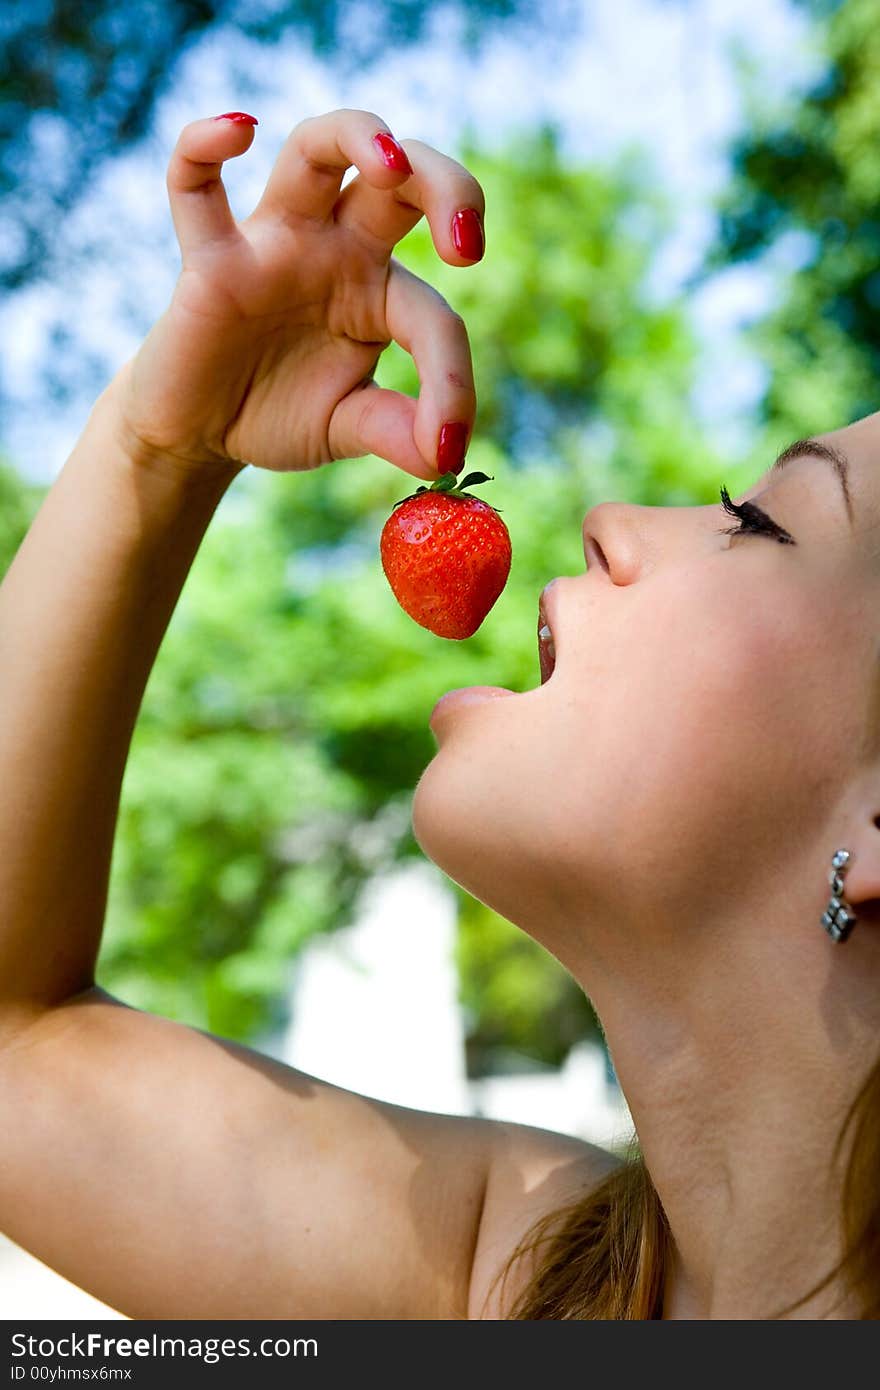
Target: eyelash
<point x="752" y="520"/>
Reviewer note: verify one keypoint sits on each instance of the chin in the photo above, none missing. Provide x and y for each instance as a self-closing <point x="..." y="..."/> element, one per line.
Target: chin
<point x="457" y="824"/>
<point x="438" y="816"/>
<point x="536" y="858"/>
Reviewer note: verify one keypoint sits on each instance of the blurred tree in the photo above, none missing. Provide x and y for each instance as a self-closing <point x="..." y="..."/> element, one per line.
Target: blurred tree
<point x="79" y="82"/>
<point x="286" y="721"/>
<point x="806" y="199"/>
<point x="518" y="1001"/>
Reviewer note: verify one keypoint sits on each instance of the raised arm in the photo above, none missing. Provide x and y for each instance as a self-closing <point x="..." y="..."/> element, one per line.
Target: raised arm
<point x="265" y="355"/>
<point x="171" y="1173"/>
<point x="83" y="609"/>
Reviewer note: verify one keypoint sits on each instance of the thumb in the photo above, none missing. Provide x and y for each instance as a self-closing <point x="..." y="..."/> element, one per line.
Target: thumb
<point x="373" y="420"/>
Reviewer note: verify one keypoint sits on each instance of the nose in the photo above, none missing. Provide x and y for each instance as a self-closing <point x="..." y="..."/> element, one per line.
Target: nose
<point x="616" y="536"/>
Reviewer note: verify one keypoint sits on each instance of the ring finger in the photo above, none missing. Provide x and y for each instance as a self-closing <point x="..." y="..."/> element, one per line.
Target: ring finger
<point x="440" y="188"/>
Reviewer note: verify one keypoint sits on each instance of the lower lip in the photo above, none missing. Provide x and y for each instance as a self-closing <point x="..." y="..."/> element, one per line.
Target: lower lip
<point x="467" y="695"/>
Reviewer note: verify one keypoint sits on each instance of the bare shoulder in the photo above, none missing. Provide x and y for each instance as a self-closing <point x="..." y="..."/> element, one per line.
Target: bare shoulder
<point x="532" y="1172"/>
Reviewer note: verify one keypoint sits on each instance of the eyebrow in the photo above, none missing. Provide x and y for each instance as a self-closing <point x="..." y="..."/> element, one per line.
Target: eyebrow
<point x="814" y="448"/>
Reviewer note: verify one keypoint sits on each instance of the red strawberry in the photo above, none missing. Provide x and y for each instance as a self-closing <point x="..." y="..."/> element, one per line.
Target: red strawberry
<point x="446" y="555"/>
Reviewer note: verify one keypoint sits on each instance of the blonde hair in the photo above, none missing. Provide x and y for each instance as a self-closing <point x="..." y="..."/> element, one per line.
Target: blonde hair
<point x="606" y="1255"/>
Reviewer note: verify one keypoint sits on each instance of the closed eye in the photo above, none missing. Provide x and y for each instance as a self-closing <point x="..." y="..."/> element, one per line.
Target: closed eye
<point x="752" y="520"/>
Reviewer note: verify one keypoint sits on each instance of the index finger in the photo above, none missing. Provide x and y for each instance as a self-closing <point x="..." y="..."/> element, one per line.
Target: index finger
<point x="199" y="207"/>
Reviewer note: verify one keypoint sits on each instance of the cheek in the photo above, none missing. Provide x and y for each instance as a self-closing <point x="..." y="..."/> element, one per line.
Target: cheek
<point x="666" y="752"/>
<point x="721" y="734"/>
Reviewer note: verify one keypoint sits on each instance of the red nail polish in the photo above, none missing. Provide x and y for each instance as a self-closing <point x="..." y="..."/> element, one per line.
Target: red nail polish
<point x="393" y="154"/>
<point x="240" y="118"/>
<point x="451" y="447"/>
<point x="467" y="234"/>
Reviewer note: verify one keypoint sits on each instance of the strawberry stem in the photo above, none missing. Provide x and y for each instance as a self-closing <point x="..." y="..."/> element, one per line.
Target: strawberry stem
<point x="449" y="483"/>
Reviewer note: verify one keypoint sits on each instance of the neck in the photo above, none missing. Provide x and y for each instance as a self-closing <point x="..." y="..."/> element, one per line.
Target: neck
<point x="738" y="1068"/>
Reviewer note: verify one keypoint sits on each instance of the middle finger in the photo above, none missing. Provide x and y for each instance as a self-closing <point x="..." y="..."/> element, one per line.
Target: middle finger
<point x="308" y="172"/>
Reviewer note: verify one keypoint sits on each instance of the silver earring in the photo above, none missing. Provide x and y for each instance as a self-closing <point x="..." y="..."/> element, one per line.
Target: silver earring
<point x="838" y="919"/>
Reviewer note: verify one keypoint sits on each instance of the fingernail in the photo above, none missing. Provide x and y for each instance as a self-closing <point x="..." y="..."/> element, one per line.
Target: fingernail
<point x="240" y="118"/>
<point x="393" y="154"/>
<point x="467" y="234"/>
<point x="451" y="447"/>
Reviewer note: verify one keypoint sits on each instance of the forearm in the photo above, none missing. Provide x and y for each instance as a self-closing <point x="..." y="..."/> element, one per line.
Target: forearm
<point x="83" y="610"/>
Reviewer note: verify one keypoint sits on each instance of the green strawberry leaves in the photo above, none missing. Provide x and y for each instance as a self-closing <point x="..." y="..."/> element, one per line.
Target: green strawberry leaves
<point x="450" y="484"/>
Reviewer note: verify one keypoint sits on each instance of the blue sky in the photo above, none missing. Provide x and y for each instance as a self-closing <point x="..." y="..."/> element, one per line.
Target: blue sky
<point x="650" y="73"/>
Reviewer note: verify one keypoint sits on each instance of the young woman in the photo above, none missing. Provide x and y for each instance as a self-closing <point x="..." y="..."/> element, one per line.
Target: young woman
<point x="708" y="740"/>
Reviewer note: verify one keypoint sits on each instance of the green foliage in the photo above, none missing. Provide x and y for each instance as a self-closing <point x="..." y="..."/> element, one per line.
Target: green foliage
<point x="570" y="352"/>
<point x="518" y="1001"/>
<point x="807" y="194"/>
<point x="285" y="724"/>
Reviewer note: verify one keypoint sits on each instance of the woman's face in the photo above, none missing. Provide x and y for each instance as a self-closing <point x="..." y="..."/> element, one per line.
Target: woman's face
<point x="702" y="726"/>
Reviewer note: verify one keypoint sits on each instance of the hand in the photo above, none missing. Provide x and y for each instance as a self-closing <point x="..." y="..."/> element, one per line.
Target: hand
<point x="266" y="352"/>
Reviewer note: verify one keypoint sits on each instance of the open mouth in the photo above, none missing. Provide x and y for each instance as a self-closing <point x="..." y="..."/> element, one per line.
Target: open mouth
<point x="546" y="645"/>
